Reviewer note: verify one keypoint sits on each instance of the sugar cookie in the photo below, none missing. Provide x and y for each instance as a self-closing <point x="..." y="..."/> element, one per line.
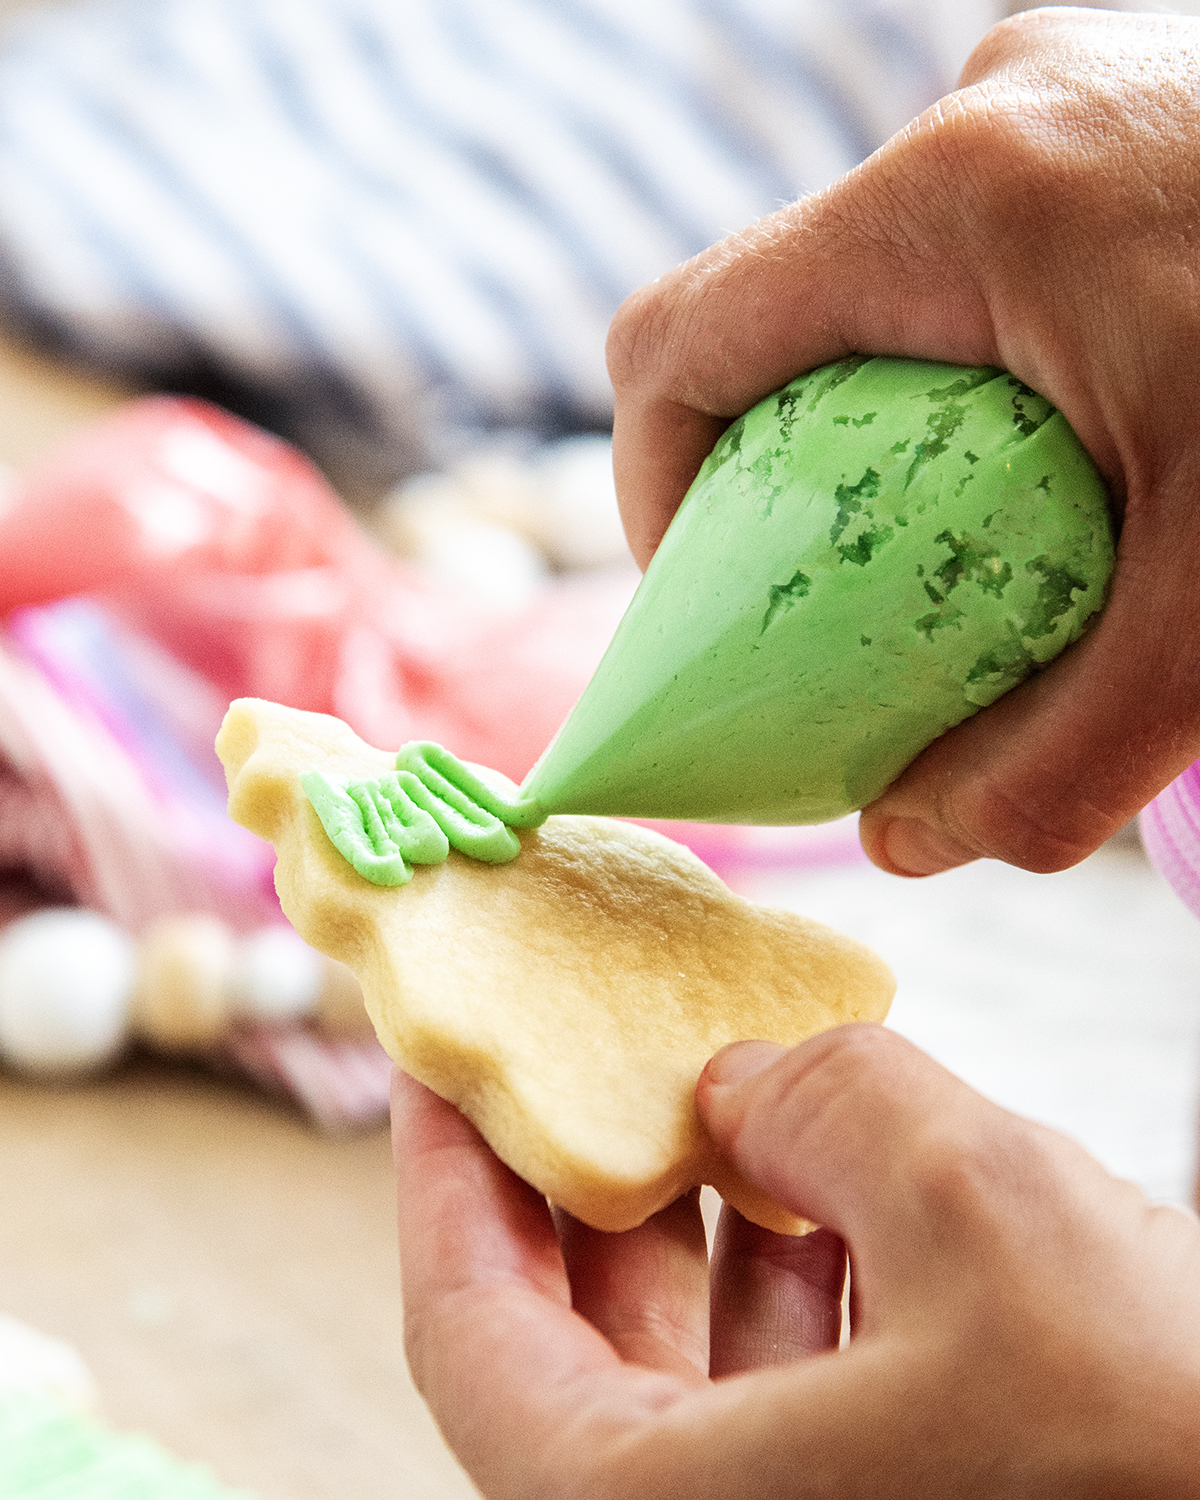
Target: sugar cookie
<point x="566" y="1000"/>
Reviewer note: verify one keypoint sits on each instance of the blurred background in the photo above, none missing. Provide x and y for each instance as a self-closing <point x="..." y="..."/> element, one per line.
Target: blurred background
<point x="302" y="395"/>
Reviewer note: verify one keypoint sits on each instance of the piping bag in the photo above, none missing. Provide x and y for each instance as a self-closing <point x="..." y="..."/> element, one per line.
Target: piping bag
<point x="866" y="558"/>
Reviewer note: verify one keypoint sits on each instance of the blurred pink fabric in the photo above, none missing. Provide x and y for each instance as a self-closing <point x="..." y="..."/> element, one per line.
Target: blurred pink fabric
<point x="1170" y="829"/>
<point x="78" y="814"/>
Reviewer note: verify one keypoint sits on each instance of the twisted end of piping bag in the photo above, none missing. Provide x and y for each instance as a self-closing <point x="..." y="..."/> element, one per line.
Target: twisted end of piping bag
<point x="867" y="557"/>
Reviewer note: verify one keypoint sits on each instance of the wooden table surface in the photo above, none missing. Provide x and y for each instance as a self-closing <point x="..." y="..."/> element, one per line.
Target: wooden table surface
<point x="228" y="1274"/>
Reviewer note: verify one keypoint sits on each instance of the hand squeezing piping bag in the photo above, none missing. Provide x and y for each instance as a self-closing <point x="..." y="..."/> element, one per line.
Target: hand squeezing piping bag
<point x="866" y="558"/>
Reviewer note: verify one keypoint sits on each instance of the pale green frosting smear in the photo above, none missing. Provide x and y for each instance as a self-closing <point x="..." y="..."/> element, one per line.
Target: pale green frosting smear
<point x="871" y="554"/>
<point x="416" y="814"/>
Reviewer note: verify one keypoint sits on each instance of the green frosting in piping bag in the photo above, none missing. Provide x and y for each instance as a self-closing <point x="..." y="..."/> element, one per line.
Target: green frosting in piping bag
<point x="416" y="814"/>
<point x="866" y="558"/>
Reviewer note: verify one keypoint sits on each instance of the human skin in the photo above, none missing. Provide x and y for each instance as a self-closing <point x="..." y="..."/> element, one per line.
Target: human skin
<point x="1023" y="1324"/>
<point x="1042" y="218"/>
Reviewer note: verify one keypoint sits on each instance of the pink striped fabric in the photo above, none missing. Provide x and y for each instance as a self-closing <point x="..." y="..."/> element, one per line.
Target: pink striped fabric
<point x="1170" y="829"/>
<point x="341" y="1083"/>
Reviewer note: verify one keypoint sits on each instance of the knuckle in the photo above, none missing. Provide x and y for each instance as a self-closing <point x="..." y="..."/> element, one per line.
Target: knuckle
<point x="1013" y="156"/>
<point x="848" y="1052"/>
<point x="1033" y="835"/>
<point x="974" y="1184"/>
<point x="675" y="338"/>
<point x="434" y="1327"/>
<point x="833" y="1064"/>
<point x="643" y="338"/>
<point x="824" y="1079"/>
<point x="1046" y="42"/>
<point x="950" y="186"/>
<point x="957" y="1157"/>
<point x="1008" y="41"/>
<point x="952" y="1177"/>
<point x="991" y="142"/>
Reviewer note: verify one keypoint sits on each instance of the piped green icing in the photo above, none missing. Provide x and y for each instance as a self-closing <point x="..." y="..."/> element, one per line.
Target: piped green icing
<point x="416" y="814"/>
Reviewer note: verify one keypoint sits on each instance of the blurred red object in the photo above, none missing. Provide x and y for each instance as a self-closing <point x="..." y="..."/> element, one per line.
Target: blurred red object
<point x="226" y="547"/>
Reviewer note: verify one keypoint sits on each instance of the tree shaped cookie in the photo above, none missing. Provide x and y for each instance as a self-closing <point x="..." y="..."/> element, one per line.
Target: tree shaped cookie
<point x="562" y="984"/>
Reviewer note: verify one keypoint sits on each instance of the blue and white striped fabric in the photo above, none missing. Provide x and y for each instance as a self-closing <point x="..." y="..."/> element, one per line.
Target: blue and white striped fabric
<point x="376" y="224"/>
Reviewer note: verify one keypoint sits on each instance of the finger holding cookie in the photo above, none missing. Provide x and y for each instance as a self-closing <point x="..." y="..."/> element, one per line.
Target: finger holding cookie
<point x="984" y="1360"/>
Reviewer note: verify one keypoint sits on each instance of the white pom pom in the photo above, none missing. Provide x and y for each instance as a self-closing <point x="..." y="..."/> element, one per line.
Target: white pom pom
<point x="66" y="977"/>
<point x="33" y="1361"/>
<point x="459" y="547"/>
<point x="180" y="1003"/>
<point x="580" y="521"/>
<point x="276" y="975"/>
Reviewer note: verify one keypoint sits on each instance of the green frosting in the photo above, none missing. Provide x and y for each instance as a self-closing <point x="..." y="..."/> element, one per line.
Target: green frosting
<point x="866" y="558"/>
<point x="416" y="814"/>
<point x="48" y="1452"/>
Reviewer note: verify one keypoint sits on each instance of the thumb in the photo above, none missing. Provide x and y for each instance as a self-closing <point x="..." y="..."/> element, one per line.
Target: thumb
<point x="860" y="1131"/>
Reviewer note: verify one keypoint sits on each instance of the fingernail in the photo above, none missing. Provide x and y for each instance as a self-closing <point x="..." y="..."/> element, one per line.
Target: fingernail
<point x="742" y="1060"/>
<point x="913" y="848"/>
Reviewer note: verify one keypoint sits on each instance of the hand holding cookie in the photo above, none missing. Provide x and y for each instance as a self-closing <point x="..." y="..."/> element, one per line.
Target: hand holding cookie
<point x="565" y="999"/>
<point x="1024" y="1324"/>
